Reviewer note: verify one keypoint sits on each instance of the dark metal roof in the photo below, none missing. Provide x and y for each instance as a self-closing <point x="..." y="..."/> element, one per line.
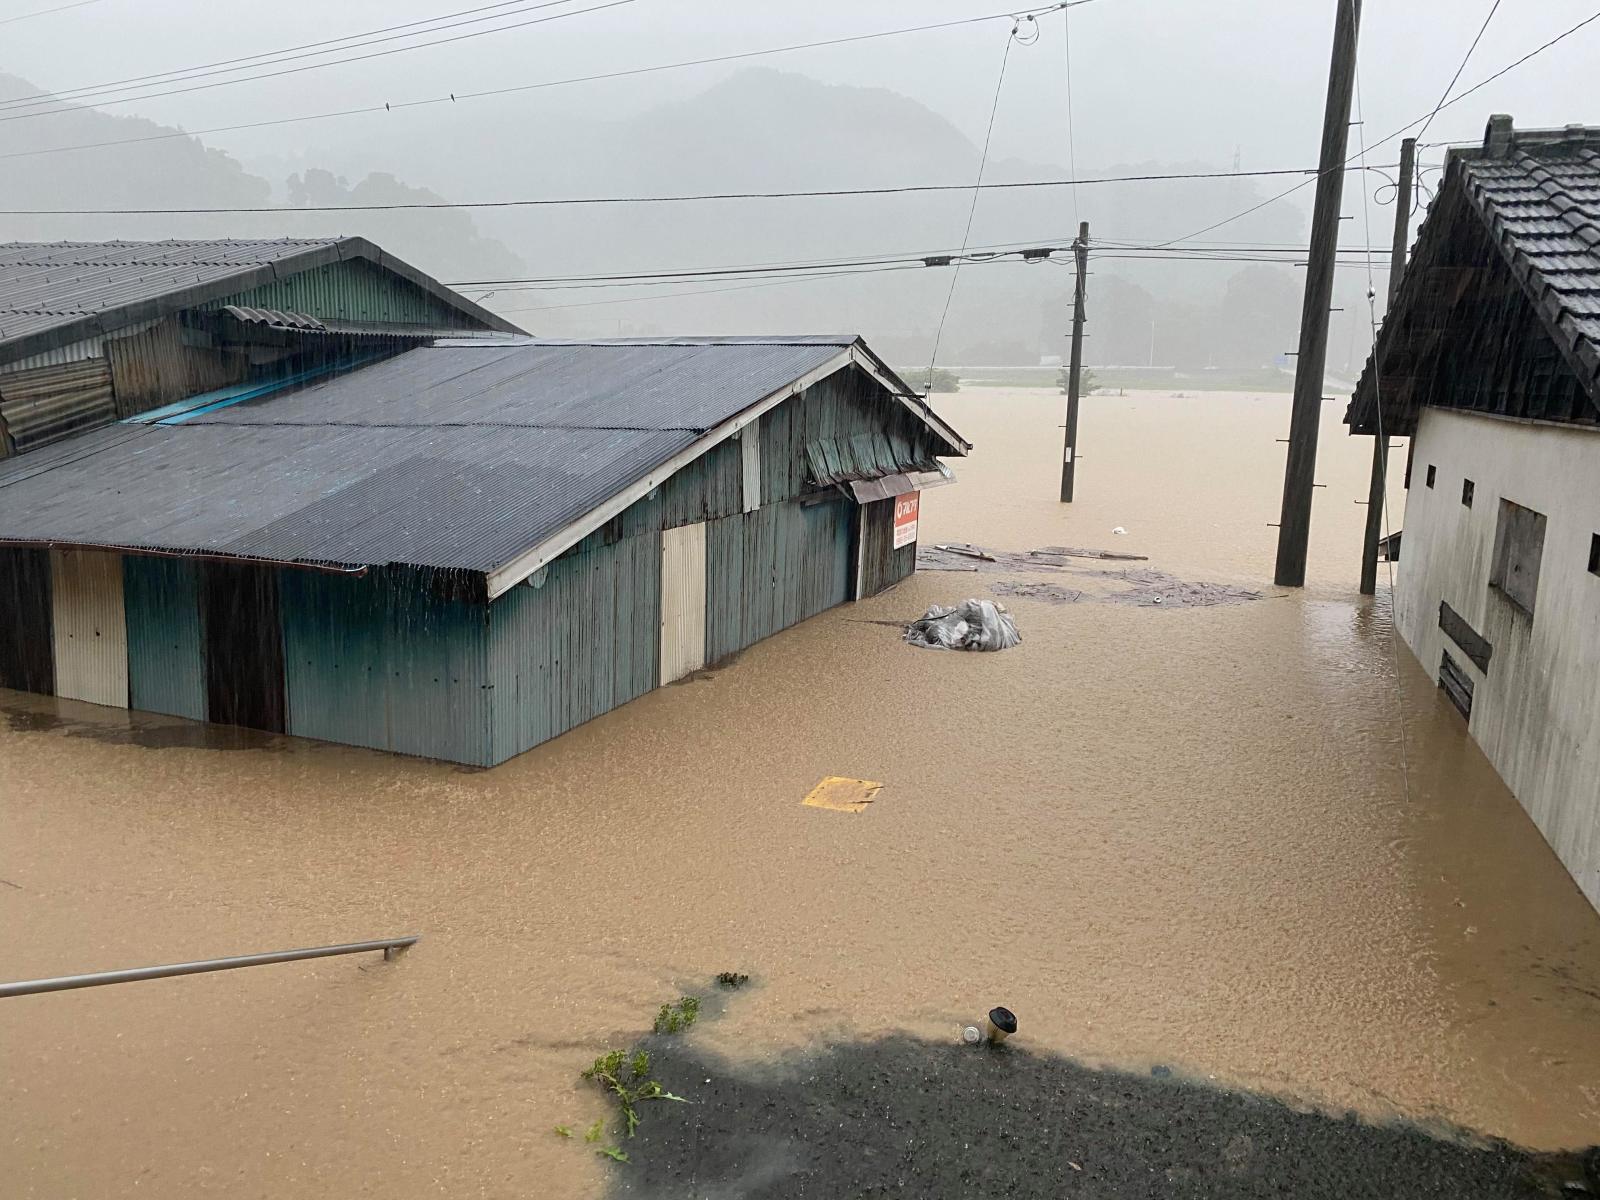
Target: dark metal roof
<point x="1537" y="195"/>
<point x="452" y="456"/>
<point x="52" y="293"/>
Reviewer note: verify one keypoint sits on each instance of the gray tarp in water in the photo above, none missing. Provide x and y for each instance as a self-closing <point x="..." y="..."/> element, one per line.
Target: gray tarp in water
<point x="970" y="625"/>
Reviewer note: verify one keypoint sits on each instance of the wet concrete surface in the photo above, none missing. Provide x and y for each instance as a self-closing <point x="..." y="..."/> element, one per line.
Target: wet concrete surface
<point x="1247" y="841"/>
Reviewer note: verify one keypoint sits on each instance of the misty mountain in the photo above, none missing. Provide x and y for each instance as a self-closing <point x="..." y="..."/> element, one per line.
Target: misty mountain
<point x="164" y="168"/>
<point x="757" y="130"/>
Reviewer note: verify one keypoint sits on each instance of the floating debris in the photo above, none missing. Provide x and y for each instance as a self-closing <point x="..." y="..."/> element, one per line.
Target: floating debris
<point x="970" y="625"/>
<point x="966" y="551"/>
<point x="1049" y="593"/>
<point x="839" y="794"/>
<point x="1081" y="552"/>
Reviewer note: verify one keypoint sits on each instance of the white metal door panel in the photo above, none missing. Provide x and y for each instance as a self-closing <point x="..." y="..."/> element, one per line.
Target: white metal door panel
<point x="91" y="632"/>
<point x="683" y="601"/>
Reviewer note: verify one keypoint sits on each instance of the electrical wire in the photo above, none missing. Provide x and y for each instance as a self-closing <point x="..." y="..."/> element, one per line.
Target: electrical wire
<point x="1072" y="150"/>
<point x="45" y="12"/>
<point x="1445" y="95"/>
<point x="678" y="198"/>
<point x="456" y="97"/>
<point x="1422" y="120"/>
<point x="460" y="37"/>
<point x="199" y="70"/>
<point x="972" y="209"/>
<point x="1381" y="461"/>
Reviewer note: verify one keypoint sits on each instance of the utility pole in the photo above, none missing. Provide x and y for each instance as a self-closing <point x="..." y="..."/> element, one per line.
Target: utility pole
<point x="1069" y="455"/>
<point x="1299" y="474"/>
<point x="1380" y="440"/>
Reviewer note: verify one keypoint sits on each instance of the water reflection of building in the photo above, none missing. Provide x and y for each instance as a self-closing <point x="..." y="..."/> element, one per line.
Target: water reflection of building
<point x="441" y="539"/>
<point x="1490" y="361"/>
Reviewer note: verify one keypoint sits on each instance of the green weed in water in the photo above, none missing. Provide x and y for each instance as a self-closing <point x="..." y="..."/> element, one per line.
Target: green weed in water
<point x="674" y="1018"/>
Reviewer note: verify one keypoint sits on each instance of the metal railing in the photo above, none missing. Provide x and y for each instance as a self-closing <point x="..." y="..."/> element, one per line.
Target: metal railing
<point x="64" y="983"/>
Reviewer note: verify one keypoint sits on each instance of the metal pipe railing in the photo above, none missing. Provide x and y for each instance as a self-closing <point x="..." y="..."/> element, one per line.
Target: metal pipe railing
<point x="64" y="983"/>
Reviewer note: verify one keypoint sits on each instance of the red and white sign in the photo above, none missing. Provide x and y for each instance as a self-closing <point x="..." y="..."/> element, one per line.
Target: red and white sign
<point x="906" y="509"/>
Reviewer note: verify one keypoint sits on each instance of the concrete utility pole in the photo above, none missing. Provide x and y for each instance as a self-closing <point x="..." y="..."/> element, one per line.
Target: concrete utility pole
<point x="1299" y="473"/>
<point x="1380" y="441"/>
<point x="1069" y="455"/>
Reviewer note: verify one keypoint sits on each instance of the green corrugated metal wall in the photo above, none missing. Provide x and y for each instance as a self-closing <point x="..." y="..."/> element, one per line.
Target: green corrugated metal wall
<point x="584" y="641"/>
<point x="847" y="403"/>
<point x="166" y="663"/>
<point x="386" y="660"/>
<point x="712" y="486"/>
<point x="353" y="290"/>
<point x="772" y="568"/>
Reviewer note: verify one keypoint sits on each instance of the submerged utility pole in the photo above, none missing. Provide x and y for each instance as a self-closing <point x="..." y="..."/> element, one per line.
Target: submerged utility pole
<point x="1380" y="441"/>
<point x="1069" y="454"/>
<point x="1299" y="473"/>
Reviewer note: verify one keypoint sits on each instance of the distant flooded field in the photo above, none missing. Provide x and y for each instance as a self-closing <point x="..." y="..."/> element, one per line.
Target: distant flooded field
<point x="1221" y="837"/>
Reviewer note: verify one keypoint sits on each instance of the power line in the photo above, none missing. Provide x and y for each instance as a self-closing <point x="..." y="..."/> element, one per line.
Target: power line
<point x="77" y="93"/>
<point x="1445" y="95"/>
<point x="45" y="12"/>
<point x="460" y="37"/>
<point x="672" y="198"/>
<point x="1025" y="252"/>
<point x="1072" y="150"/>
<point x="455" y="97"/>
<point x="1509" y="67"/>
<point x="977" y="191"/>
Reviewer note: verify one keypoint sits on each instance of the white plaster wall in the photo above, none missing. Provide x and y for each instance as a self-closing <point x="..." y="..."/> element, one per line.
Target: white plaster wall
<point x="1536" y="712"/>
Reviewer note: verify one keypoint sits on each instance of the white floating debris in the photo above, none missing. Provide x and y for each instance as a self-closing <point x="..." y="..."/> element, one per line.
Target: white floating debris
<point x="1120" y="531"/>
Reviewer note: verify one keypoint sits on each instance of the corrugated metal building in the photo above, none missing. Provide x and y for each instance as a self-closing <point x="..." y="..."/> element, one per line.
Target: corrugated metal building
<point x="95" y="331"/>
<point x="465" y="550"/>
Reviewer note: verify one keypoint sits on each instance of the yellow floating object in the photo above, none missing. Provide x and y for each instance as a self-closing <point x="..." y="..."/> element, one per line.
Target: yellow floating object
<point x="843" y="795"/>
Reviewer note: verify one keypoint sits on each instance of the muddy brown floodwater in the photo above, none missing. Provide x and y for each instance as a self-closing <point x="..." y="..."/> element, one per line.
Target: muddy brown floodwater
<point x="1165" y="834"/>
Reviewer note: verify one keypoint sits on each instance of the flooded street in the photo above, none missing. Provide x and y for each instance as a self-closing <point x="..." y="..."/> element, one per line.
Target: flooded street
<point x="1219" y="838"/>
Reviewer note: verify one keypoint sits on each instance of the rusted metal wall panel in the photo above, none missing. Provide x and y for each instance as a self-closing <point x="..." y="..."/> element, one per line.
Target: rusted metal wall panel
<point x="89" y="629"/>
<point x="772" y="568"/>
<point x="158" y="366"/>
<point x="27" y="661"/>
<point x="683" y="601"/>
<point x="46" y="404"/>
<point x="352" y="290"/>
<point x="392" y="660"/>
<point x="881" y="565"/>
<point x="166" y="660"/>
<point x="90" y="347"/>
<point x="577" y="639"/>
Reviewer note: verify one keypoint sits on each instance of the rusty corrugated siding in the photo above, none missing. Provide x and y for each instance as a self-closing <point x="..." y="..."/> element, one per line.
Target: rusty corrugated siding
<point x="158" y="366"/>
<point x="881" y="564"/>
<point x="46" y="404"/>
<point x="90" y="633"/>
<point x="574" y="641"/>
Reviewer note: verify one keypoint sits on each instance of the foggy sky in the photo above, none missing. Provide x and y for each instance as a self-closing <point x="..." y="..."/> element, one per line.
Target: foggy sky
<point x="1153" y="82"/>
<point x="1153" y="79"/>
